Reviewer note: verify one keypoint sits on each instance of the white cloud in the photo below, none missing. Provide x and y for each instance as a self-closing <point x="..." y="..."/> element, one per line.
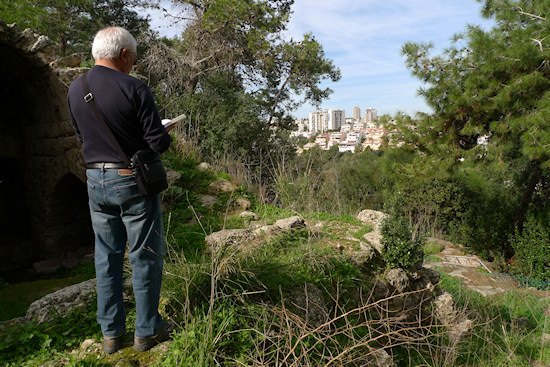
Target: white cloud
<point x="364" y="39"/>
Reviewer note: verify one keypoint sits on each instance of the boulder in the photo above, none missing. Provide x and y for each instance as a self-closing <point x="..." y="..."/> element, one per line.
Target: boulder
<point x="291" y="223"/>
<point x="60" y="303"/>
<point x="249" y="215"/>
<point x="203" y="167"/>
<point x="447" y="313"/>
<point x="172" y="176"/>
<point x="208" y="200"/>
<point x="307" y="301"/>
<point x="398" y="279"/>
<point x="365" y="256"/>
<point x="373" y="219"/>
<point x="71" y="61"/>
<point x="243" y="203"/>
<point x="221" y="186"/>
<point x="445" y="309"/>
<point x="282" y="226"/>
<point x="229" y="237"/>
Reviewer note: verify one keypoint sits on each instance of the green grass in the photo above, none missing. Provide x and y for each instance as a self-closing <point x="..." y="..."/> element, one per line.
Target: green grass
<point x="232" y="305"/>
<point x="30" y="344"/>
<point x="16" y="298"/>
<point x="431" y="248"/>
<point x="509" y="329"/>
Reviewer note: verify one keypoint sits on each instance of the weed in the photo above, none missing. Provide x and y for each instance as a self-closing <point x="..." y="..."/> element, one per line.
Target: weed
<point x="361" y="232"/>
<point x="431" y="247"/>
<point x="23" y="342"/>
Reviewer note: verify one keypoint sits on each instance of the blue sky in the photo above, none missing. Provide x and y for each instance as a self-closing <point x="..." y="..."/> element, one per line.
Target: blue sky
<point x="364" y="39"/>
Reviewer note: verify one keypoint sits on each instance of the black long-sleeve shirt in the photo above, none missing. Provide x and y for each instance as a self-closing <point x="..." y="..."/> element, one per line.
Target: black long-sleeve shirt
<point x="129" y="110"/>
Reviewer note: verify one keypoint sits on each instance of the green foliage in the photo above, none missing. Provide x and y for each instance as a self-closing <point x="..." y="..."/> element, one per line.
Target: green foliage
<point x="72" y="24"/>
<point x="490" y="84"/>
<point x="228" y="119"/>
<point x="431" y="248"/>
<point x="402" y="249"/>
<point x="509" y="328"/>
<point x="327" y="181"/>
<point x="532" y="246"/>
<point x="21" y="342"/>
<point x="16" y="298"/>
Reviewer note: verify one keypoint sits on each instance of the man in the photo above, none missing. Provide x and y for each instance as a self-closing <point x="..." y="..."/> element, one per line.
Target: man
<point x="119" y="213"/>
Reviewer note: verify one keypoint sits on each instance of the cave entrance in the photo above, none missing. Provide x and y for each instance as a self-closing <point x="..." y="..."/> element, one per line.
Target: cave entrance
<point x="44" y="215"/>
<point x="15" y="238"/>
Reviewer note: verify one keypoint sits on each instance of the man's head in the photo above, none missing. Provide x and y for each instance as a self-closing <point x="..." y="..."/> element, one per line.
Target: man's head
<point x="115" y="45"/>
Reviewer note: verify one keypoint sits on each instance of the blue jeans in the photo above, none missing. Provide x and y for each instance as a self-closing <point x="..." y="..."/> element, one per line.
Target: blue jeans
<point x="120" y="215"/>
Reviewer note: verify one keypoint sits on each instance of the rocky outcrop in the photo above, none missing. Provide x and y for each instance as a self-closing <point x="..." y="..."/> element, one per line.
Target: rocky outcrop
<point x="221" y="186"/>
<point x="281" y="226"/>
<point x="447" y="312"/>
<point x="373" y="219"/>
<point x="307" y="301"/>
<point x="247" y="239"/>
<point x="406" y="293"/>
<point x="60" y="303"/>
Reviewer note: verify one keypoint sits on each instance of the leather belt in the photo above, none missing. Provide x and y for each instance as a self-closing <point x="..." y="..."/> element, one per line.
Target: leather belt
<point x="107" y="165"/>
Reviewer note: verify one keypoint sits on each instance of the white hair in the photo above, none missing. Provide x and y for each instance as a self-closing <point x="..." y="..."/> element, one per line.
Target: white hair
<point x="109" y="42"/>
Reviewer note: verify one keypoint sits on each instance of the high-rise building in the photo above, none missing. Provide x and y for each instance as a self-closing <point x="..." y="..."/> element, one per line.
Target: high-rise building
<point x="325" y="120"/>
<point x="370" y="115"/>
<point x="356" y="113"/>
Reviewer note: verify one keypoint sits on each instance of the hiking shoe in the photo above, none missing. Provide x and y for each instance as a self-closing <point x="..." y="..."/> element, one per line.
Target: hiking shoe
<point x="112" y="344"/>
<point x="144" y="344"/>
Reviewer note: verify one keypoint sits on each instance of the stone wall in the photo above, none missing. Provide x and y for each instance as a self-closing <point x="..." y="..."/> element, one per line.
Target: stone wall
<point x="43" y="201"/>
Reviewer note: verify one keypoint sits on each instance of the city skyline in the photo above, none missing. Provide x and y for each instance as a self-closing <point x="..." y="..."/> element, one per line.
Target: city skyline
<point x="364" y="39"/>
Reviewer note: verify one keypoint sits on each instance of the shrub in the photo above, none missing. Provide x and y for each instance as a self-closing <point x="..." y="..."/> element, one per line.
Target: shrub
<point x="532" y="247"/>
<point x="402" y="248"/>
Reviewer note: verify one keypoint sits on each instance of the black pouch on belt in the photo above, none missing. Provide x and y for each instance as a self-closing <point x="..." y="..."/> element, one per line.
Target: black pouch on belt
<point x="149" y="172"/>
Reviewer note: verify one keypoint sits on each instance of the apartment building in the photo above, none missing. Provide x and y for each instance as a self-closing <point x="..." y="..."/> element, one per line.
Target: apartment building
<point x="325" y="120"/>
<point x="370" y="115"/>
<point x="356" y="113"/>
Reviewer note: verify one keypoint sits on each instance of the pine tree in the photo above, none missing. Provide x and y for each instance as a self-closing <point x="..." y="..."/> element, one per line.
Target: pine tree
<point x="492" y="85"/>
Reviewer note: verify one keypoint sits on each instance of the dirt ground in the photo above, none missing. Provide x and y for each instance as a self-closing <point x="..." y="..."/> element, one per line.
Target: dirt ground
<point x="475" y="273"/>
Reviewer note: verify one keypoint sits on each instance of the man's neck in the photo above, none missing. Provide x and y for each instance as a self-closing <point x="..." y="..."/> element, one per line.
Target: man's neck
<point x="111" y="64"/>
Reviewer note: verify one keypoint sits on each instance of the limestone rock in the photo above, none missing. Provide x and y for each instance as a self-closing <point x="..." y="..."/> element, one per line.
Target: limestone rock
<point x="281" y="226"/>
<point x="221" y="186"/>
<point x="67" y="75"/>
<point x="243" y="203"/>
<point x="460" y="330"/>
<point x="363" y="257"/>
<point x="295" y="222"/>
<point x="127" y="362"/>
<point x="208" y="201"/>
<point x="374" y="219"/>
<point x="448" y="314"/>
<point x="60" y="303"/>
<point x="381" y="358"/>
<point x="249" y="215"/>
<point x="203" y="167"/>
<point x="445" y="309"/>
<point x="71" y="61"/>
<point x="307" y="301"/>
<point x="172" y="176"/>
<point x="229" y="237"/>
<point x="371" y="218"/>
<point x="398" y="279"/>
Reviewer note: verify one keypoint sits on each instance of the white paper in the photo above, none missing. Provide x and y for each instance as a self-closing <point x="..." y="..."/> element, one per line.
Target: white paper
<point x="168" y="122"/>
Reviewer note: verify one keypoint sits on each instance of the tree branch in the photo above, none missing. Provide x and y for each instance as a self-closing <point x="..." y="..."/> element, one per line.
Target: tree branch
<point x="520" y="11"/>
